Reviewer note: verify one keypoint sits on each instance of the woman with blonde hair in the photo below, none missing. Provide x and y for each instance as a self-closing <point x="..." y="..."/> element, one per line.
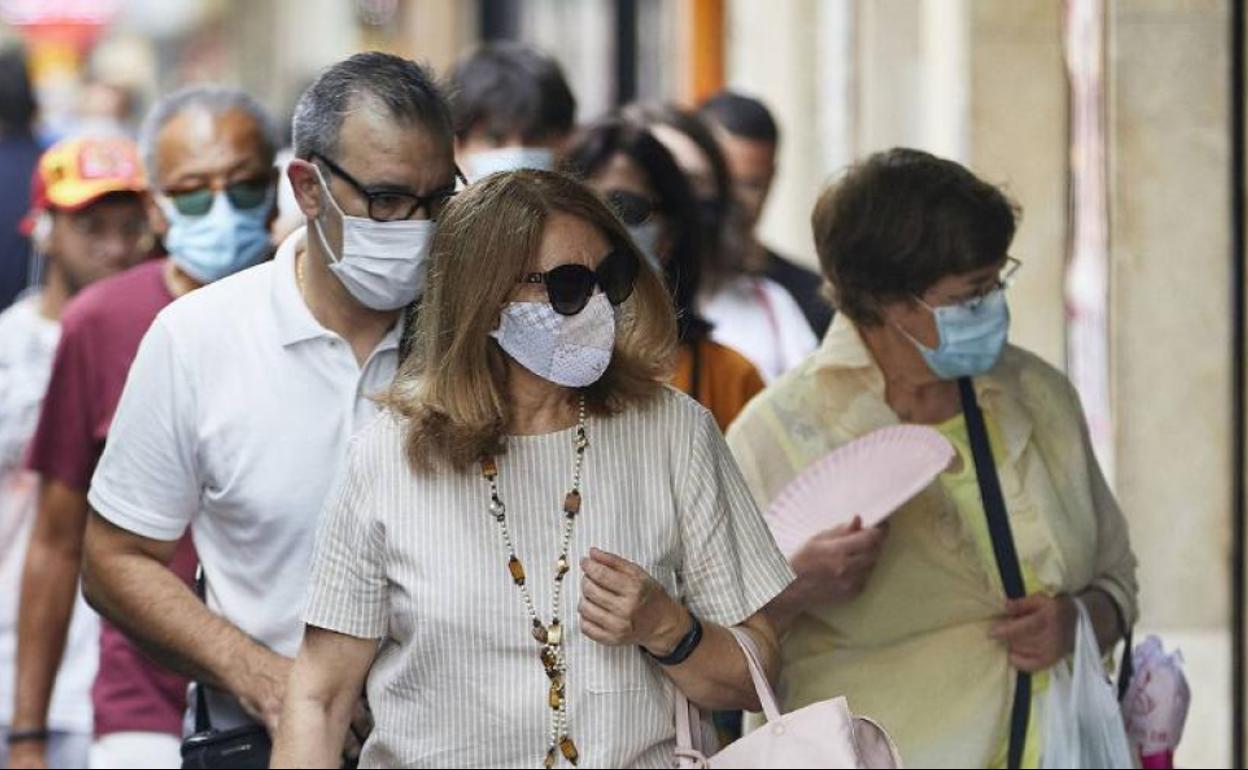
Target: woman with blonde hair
<point x="539" y="538"/>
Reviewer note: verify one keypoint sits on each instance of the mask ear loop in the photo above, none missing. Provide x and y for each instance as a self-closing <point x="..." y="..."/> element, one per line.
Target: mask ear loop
<point x="316" y="221"/>
<point x="914" y="340"/>
<point x="39" y="236"/>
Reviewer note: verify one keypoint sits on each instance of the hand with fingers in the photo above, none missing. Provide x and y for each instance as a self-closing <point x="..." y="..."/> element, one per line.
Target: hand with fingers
<point x="259" y="683"/>
<point x="834" y="565"/>
<point x="1038" y="630"/>
<point x="622" y="604"/>
<point x="357" y="734"/>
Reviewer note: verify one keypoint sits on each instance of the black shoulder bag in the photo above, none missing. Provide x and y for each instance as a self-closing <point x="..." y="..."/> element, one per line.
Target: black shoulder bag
<point x="1003" y="549"/>
<point x="247" y="747"/>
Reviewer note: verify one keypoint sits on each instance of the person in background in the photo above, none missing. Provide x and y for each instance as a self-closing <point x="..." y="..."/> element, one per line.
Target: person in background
<point x="512" y="109"/>
<point x="748" y="135"/>
<point x="750" y="313"/>
<point x="208" y="156"/>
<point x="244" y="395"/>
<point x="914" y="627"/>
<point x="107" y="108"/>
<point x="86" y="222"/>
<point x="19" y="152"/>
<point x="640" y="182"/>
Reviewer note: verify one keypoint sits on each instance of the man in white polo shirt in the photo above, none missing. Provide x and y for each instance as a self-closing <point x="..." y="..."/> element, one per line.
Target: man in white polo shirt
<point x="237" y="412"/>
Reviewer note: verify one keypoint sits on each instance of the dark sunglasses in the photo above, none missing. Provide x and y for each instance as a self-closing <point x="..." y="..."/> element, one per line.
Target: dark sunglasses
<point x="569" y="287"/>
<point x="393" y="205"/>
<point x="244" y="196"/>
<point x="631" y="208"/>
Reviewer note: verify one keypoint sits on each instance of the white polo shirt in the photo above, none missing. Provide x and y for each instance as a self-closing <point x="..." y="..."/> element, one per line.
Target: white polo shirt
<point x="235" y="420"/>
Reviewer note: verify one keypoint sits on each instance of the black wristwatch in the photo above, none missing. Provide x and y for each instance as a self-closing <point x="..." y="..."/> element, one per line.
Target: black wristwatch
<point x="684" y="648"/>
<point x="26" y="736"/>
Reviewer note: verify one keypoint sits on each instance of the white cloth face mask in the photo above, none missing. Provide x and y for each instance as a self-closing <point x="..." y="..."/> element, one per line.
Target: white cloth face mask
<point x="569" y="350"/>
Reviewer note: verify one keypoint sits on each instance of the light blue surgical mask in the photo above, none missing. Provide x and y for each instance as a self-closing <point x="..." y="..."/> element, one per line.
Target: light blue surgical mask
<point x="646" y="237"/>
<point x="485" y="162"/>
<point x="219" y="243"/>
<point x="972" y="336"/>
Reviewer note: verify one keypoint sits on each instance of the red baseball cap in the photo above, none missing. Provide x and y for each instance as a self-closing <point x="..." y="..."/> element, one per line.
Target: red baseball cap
<point x="74" y="173"/>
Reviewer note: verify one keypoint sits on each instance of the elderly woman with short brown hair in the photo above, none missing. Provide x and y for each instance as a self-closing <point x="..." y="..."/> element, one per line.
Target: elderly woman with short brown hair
<point x="912" y="623"/>
<point x="539" y="536"/>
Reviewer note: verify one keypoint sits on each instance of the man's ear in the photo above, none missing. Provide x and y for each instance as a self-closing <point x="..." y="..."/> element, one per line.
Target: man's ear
<point x="156" y="219"/>
<point x="305" y="182"/>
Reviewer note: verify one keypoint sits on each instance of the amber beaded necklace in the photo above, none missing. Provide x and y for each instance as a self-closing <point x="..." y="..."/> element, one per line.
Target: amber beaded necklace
<point x="550" y="638"/>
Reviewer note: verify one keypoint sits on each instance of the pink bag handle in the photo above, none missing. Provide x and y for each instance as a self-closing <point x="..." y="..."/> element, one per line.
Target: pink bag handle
<point x="753" y="659"/>
<point x="689" y="753"/>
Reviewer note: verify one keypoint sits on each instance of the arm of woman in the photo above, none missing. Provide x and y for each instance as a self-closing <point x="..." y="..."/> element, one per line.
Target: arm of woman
<point x="621" y="604"/>
<point x="321" y="696"/>
<point x="1112" y="597"/>
<point x="1040" y="630"/>
<point x="716" y="676"/>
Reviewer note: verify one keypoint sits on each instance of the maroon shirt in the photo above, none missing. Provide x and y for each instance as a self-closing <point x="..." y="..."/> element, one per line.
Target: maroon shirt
<point x="100" y="333"/>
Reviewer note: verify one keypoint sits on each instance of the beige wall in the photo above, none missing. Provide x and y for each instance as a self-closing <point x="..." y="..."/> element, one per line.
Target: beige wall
<point x="1018" y="140"/>
<point x="1170" y="292"/>
<point x="772" y="54"/>
<point x="1171" y="340"/>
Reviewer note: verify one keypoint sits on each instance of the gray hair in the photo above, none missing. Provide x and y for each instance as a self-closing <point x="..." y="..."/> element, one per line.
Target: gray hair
<point x="214" y="100"/>
<point x="403" y="88"/>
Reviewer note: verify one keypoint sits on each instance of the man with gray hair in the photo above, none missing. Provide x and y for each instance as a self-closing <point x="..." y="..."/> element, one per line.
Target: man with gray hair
<point x="208" y="156"/>
<point x="238" y="410"/>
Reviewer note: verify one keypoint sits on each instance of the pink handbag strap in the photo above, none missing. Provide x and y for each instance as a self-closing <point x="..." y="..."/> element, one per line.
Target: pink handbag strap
<point x="688" y="753"/>
<point x="753" y="659"/>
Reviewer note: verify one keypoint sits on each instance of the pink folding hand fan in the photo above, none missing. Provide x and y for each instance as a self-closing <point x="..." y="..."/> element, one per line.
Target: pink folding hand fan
<point x="870" y="477"/>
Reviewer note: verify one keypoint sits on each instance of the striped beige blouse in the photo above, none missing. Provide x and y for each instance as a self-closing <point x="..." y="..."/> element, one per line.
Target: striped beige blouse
<point x="417" y="562"/>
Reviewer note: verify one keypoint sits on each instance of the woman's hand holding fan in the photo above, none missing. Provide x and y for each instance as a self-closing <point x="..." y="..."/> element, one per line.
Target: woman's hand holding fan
<point x="864" y="480"/>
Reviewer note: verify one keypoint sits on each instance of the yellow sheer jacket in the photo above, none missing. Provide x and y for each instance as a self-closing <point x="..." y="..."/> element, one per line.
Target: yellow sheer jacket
<point x="912" y="650"/>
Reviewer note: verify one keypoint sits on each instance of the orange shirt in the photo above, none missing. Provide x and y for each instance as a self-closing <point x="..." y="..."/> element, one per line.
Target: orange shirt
<point x="726" y="379"/>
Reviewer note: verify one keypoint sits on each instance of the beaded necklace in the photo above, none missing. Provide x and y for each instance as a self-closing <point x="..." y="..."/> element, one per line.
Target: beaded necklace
<point x="550" y="638"/>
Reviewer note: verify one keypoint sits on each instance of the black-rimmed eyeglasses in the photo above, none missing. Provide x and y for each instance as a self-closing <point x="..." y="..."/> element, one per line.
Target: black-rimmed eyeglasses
<point x="395" y="205"/>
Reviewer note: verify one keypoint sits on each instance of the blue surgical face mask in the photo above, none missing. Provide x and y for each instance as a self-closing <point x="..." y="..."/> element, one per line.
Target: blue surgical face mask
<point x="221" y="242"/>
<point x="646" y="237"/>
<point x="972" y="335"/>
<point x="485" y="162"/>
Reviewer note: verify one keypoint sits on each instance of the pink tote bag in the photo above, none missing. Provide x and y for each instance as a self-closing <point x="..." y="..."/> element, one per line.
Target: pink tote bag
<point x="823" y="734"/>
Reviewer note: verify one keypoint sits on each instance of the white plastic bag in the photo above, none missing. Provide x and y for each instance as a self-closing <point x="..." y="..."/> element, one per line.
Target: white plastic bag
<point x="1082" y="722"/>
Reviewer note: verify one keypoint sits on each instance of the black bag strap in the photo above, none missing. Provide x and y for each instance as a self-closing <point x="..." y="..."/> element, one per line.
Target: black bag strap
<point x="203" y="723"/>
<point x="1126" y="667"/>
<point x="1003" y="549"/>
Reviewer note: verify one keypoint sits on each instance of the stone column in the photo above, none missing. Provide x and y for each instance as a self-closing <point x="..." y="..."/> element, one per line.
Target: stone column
<point x="1170" y="311"/>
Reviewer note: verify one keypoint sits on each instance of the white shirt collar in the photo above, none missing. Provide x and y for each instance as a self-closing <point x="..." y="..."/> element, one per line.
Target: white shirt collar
<point x="295" y="322"/>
